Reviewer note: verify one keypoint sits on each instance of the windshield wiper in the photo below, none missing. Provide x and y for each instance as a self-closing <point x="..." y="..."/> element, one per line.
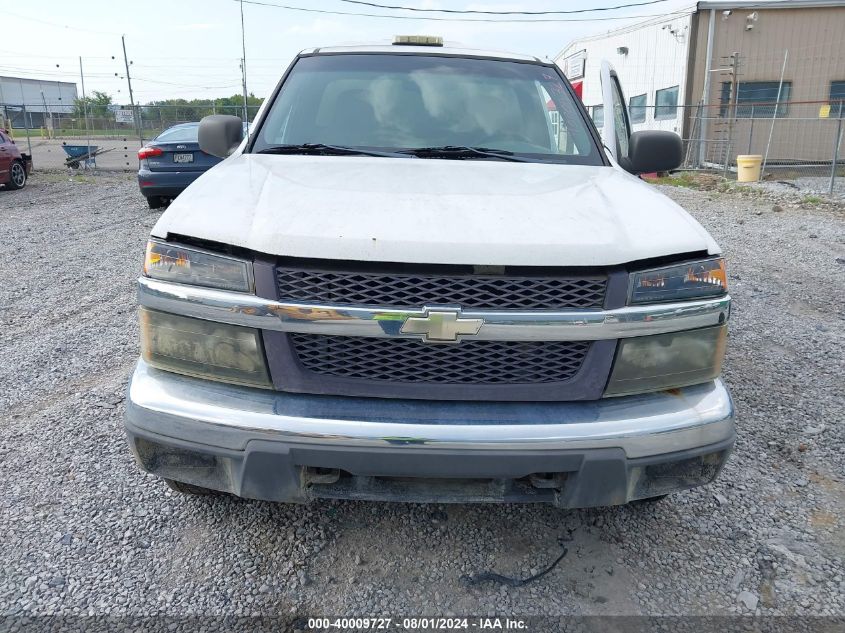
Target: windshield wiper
<point x="321" y="149"/>
<point x="462" y="152"/>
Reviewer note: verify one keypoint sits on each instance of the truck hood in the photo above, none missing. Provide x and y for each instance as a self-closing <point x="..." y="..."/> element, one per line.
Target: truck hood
<point x="432" y="211"/>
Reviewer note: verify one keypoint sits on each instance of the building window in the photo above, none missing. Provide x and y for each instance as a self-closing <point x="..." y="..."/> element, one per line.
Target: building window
<point x="756" y="99"/>
<point x="837" y="98"/>
<point x="636" y="109"/>
<point x="666" y="103"/>
<point x="598" y="116"/>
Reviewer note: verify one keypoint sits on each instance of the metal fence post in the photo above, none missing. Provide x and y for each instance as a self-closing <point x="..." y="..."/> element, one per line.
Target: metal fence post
<point x="751" y="131"/>
<point x="774" y="115"/>
<point x="837" y="140"/>
<point x="705" y="95"/>
<point x="26" y="127"/>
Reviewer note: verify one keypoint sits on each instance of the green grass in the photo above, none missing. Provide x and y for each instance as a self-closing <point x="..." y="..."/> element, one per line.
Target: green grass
<point x="812" y="200"/>
<point x="682" y="179"/>
<point x="732" y="187"/>
<point x="706" y="181"/>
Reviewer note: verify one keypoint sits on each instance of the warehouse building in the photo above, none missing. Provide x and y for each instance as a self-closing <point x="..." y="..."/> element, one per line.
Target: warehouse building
<point x="729" y="77"/>
<point x="43" y="101"/>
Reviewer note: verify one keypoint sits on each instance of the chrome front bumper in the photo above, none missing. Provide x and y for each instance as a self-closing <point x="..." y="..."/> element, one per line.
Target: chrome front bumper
<point x="228" y="416"/>
<point x="371" y="437"/>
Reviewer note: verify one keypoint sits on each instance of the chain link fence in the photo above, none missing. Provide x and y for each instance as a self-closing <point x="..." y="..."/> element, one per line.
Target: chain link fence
<point x="787" y="107"/>
<point x="52" y="121"/>
<point x="799" y="141"/>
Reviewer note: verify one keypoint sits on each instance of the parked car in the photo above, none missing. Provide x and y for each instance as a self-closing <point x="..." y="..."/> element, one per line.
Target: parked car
<point x="171" y="162"/>
<point x="425" y="276"/>
<point x="14" y="165"/>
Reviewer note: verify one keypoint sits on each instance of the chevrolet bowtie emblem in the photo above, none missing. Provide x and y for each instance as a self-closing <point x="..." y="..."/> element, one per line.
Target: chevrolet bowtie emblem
<point x="441" y="326"/>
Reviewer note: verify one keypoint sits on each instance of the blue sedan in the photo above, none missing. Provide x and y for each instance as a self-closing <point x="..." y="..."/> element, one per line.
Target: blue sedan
<point x="171" y="162"/>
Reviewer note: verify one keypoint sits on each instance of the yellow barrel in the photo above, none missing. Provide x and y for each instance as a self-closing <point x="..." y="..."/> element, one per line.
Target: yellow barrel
<point x="748" y="167"/>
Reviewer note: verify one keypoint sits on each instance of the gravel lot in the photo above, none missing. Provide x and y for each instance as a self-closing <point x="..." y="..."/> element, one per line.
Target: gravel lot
<point x="84" y="532"/>
<point x="815" y="186"/>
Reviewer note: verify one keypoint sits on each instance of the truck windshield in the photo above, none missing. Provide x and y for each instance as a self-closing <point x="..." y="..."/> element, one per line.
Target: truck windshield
<point x="428" y="107"/>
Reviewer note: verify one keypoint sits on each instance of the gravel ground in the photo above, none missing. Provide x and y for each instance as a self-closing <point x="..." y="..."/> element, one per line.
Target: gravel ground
<point x="84" y="532"/>
<point x="815" y="186"/>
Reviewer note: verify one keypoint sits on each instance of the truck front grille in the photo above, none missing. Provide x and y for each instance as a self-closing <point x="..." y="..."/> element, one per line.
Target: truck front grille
<point x="399" y="360"/>
<point x="470" y="291"/>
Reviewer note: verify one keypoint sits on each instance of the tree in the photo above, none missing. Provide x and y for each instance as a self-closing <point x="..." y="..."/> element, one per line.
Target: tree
<point x="169" y="111"/>
<point x="97" y="104"/>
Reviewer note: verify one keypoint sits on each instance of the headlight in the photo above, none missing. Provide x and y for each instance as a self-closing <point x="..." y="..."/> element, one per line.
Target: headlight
<point x="683" y="281"/>
<point x="205" y="349"/>
<point x="188" y="265"/>
<point x="665" y="361"/>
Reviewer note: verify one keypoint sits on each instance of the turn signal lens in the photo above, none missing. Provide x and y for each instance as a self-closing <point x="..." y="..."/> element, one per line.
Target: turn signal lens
<point x="694" y="280"/>
<point x="171" y="262"/>
<point x="204" y="349"/>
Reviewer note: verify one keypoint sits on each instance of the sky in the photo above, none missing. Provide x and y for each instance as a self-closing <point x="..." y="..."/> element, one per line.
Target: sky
<point x="191" y="48"/>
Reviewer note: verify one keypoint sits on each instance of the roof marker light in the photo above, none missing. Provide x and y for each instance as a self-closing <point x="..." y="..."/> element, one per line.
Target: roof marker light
<point x="418" y="40"/>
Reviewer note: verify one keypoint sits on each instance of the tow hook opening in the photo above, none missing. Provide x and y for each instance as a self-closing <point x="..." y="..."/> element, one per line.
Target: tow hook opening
<point x="547" y="480"/>
<point x="317" y="475"/>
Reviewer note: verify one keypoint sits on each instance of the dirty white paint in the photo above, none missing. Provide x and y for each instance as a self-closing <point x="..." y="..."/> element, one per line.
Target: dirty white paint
<point x="432" y="211"/>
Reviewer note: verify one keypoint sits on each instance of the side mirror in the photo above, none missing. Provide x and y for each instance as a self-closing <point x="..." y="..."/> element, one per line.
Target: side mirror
<point x="653" y="150"/>
<point x="220" y="134"/>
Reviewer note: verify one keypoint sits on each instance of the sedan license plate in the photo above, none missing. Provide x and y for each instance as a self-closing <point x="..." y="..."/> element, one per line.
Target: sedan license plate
<point x="183" y="158"/>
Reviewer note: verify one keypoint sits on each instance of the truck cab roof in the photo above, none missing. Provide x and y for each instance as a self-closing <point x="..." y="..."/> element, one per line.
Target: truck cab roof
<point x="447" y="50"/>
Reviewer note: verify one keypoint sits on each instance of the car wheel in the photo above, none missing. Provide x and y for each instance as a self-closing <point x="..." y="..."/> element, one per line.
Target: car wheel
<point x="155" y="202"/>
<point x="190" y="489"/>
<point x="17" y="176"/>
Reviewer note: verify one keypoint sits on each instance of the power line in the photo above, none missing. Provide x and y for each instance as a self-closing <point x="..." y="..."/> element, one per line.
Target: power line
<point x="471" y="11"/>
<point x="59" y="26"/>
<point x="444" y="19"/>
<point x="57" y="75"/>
<point x="51" y="73"/>
<point x="182" y="85"/>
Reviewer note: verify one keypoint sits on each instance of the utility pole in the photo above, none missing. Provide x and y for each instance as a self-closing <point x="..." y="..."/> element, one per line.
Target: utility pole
<point x="85" y="110"/>
<point x="705" y="97"/>
<point x="243" y="75"/>
<point x="733" y="107"/>
<point x="243" y="66"/>
<point x="131" y="98"/>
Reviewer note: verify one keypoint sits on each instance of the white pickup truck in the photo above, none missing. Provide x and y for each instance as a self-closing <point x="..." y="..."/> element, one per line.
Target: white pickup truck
<point x="425" y="276"/>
